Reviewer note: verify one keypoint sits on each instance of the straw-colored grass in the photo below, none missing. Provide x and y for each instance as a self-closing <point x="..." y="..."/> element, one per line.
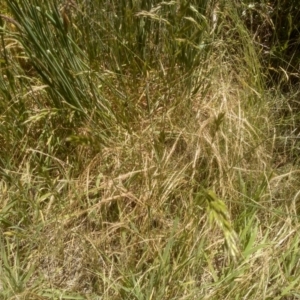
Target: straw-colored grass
<point x="142" y="156"/>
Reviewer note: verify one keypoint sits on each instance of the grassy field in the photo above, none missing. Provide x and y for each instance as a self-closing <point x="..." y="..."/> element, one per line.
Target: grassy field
<point x="144" y="154"/>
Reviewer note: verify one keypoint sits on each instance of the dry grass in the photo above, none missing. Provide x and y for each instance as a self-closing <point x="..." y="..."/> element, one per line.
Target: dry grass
<point x="142" y="170"/>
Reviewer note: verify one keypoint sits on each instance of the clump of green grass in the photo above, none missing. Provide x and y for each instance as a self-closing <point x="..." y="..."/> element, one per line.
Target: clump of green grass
<point x="137" y="145"/>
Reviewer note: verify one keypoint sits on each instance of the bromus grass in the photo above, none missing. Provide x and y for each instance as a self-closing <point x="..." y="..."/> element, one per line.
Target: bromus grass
<point x="138" y="155"/>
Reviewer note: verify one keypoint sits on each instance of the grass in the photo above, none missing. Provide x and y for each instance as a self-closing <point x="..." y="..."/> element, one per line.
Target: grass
<point x="143" y="155"/>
